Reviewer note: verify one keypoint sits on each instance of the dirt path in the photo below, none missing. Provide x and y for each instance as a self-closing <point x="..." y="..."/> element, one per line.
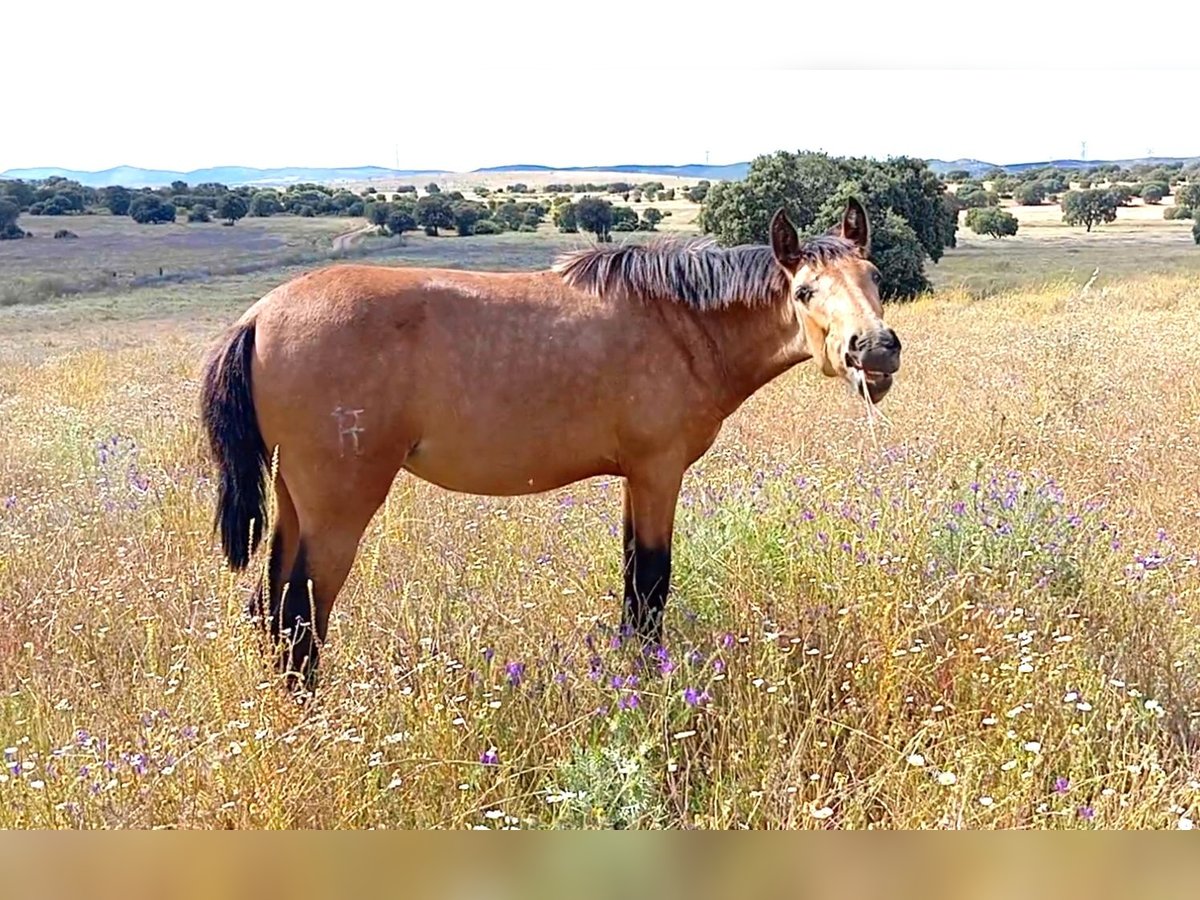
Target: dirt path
<point x="345" y="241"/>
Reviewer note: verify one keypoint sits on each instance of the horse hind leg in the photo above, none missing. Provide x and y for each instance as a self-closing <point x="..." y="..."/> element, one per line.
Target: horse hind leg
<point x="263" y="604"/>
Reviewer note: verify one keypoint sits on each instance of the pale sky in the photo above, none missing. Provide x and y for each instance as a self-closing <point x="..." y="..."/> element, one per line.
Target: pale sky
<point x="190" y="85"/>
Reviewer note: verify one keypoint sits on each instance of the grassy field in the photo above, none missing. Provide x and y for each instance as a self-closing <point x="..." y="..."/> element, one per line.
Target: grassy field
<point x="980" y="614"/>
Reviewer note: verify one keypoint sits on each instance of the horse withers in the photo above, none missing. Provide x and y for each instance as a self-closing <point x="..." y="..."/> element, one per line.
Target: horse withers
<point x="620" y="360"/>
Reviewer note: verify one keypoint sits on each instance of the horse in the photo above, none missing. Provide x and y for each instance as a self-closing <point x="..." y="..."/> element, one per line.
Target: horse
<point x="618" y="360"/>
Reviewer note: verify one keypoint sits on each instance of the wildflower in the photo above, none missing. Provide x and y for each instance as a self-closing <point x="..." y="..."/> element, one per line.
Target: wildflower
<point x="10" y="502"/>
<point x="916" y="759"/>
<point x="488" y="654"/>
<point x="490" y="757"/>
<point x="823" y="813"/>
<point x="1087" y="813"/>
<point x="1185" y="824"/>
<point x="629" y="701"/>
<point x="693" y="697"/>
<point x="515" y="672"/>
<point x="726" y="640"/>
<point x="1062" y="784"/>
<point x="947" y="778"/>
<point x="665" y="665"/>
<point x="1033" y="746"/>
<point x="986" y="801"/>
<point x="958" y="508"/>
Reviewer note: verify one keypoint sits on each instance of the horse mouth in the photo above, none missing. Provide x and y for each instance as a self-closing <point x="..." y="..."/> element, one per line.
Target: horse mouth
<point x="870" y="383"/>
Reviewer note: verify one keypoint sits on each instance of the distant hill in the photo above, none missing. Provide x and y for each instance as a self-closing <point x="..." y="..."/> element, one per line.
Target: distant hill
<point x="132" y="176"/>
<point x="731" y="172"/>
<point x="977" y="167"/>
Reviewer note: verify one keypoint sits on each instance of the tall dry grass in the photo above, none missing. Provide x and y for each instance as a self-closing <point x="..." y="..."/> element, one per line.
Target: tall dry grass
<point x="983" y="615"/>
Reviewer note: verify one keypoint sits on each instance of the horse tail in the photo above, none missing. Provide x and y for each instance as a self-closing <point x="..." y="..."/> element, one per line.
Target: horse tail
<point x="227" y="409"/>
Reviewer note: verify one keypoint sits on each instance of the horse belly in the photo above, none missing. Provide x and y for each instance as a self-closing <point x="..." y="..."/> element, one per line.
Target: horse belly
<point x="499" y="468"/>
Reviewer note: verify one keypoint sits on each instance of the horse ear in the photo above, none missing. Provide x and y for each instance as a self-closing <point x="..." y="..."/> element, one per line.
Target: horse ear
<point x="856" y="226"/>
<point x="785" y="243"/>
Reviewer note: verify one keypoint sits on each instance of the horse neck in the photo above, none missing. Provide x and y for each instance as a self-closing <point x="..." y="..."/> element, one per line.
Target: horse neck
<point x="754" y="345"/>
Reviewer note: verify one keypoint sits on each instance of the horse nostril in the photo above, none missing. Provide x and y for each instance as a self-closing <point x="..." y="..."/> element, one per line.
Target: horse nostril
<point x="852" y="346"/>
<point x="892" y="340"/>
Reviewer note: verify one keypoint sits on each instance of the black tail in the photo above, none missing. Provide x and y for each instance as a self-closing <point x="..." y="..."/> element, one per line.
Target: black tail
<point x="227" y="407"/>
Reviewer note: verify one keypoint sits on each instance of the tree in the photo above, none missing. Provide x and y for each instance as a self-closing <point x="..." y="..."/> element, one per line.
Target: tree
<point x="231" y="207"/>
<point x="400" y="217"/>
<point x="466" y="214"/>
<point x="596" y="216"/>
<point x="58" y="205"/>
<point x="1121" y="193"/>
<point x="992" y="221"/>
<point x="1152" y="193"/>
<point x="9" y="213"/>
<point x="18" y="192"/>
<point x="199" y="213"/>
<point x="1196" y="231"/>
<point x="117" y="199"/>
<point x="958" y="175"/>
<point x="1089" y="207"/>
<point x="1030" y="194"/>
<point x="699" y="192"/>
<point x="150" y="209"/>
<point x="433" y="212"/>
<point x="650" y="218"/>
<point x="432" y="188"/>
<point x="813" y="188"/>
<point x="564" y="218"/>
<point x="973" y="198"/>
<point x="1188" y="195"/>
<point x="624" y="219"/>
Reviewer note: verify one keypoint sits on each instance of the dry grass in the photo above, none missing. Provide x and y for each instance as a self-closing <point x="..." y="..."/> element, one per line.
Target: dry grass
<point x="986" y="620"/>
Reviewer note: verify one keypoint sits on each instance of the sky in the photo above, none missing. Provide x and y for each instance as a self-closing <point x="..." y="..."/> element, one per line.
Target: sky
<point x="190" y="85"/>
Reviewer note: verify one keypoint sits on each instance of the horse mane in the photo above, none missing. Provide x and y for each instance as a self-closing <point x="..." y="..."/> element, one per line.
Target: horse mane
<point x="695" y="272"/>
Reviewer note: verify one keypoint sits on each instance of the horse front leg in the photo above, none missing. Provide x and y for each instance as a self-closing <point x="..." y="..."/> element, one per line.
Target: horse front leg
<point x="649" y="511"/>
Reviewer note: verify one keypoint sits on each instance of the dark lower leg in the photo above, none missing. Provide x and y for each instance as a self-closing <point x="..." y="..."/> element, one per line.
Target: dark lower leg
<point x="292" y="624"/>
<point x="647" y="581"/>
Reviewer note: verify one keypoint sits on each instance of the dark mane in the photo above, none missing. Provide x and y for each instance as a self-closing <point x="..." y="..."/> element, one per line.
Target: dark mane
<point x="695" y="272"/>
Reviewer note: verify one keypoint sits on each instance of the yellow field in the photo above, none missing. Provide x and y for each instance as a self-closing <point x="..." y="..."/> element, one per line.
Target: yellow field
<point x="981" y="614"/>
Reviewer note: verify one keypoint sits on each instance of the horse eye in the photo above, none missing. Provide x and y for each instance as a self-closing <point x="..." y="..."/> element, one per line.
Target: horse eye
<point x="875" y="276"/>
<point x="804" y="292"/>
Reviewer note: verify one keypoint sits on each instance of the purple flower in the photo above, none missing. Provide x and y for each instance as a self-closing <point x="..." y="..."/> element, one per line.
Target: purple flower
<point x="629" y="701"/>
<point x="1062" y="785"/>
<point x="82" y="738"/>
<point x="10" y="502"/>
<point x="727" y="640"/>
<point x="137" y="762"/>
<point x="958" y="507"/>
<point x="693" y="697"/>
<point x="719" y="665"/>
<point x="1087" y="813"/>
<point x="488" y="653"/>
<point x="595" y="668"/>
<point x="665" y="665"/>
<point x="515" y="671"/>
<point x="490" y="757"/>
<point x="695" y="657"/>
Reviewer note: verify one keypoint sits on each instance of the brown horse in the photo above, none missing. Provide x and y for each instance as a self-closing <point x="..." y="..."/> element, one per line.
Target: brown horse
<point x="620" y="360"/>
